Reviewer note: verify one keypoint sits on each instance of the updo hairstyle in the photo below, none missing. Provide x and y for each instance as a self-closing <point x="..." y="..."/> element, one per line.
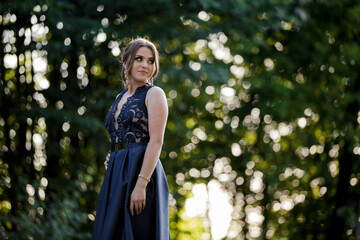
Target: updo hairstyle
<point x="129" y="54"/>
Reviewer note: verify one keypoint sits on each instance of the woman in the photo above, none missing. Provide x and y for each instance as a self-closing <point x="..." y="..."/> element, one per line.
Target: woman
<point x="133" y="201"/>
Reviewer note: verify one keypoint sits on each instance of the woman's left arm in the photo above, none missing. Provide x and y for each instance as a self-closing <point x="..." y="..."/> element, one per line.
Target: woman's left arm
<point x="157" y="117"/>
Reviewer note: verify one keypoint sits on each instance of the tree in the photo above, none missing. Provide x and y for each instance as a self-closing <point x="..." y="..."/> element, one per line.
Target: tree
<point x="262" y="97"/>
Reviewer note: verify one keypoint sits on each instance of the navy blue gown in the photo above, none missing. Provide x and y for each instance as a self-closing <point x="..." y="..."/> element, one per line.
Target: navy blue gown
<point x="113" y="218"/>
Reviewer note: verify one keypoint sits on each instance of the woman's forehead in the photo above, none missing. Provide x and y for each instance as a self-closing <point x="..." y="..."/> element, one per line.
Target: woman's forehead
<point x="145" y="52"/>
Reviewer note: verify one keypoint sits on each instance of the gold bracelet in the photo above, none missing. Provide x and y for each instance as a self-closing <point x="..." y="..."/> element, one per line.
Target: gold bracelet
<point x="142" y="176"/>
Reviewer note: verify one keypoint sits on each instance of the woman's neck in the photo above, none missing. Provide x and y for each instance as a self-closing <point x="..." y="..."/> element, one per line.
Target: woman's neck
<point x="133" y="85"/>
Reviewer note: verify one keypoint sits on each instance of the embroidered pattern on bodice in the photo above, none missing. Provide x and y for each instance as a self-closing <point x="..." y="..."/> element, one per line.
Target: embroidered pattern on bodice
<point x="132" y="121"/>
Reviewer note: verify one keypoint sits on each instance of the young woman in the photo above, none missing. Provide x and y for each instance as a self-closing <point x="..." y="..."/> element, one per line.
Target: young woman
<point x="133" y="201"/>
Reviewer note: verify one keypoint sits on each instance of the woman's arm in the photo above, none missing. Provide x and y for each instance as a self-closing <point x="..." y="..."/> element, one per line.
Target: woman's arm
<point x="157" y="117"/>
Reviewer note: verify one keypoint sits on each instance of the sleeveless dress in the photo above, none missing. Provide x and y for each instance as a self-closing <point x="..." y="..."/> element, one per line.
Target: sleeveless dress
<point x="113" y="218"/>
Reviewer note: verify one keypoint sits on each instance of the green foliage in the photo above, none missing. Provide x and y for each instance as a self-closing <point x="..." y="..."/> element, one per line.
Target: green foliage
<point x="58" y="219"/>
<point x="257" y="91"/>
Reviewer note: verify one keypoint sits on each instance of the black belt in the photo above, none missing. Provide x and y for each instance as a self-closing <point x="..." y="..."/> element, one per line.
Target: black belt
<point x="118" y="146"/>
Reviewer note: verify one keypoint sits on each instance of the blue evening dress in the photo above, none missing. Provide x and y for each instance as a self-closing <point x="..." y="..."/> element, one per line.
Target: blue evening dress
<point x="113" y="218"/>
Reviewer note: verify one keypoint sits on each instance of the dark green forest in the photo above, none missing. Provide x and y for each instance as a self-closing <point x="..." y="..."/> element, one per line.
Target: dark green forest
<point x="263" y="95"/>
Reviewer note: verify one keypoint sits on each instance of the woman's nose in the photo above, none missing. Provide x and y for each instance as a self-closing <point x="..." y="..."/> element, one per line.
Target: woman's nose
<point x="144" y="64"/>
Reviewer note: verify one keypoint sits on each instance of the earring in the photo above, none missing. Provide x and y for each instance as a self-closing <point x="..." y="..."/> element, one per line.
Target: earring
<point x="126" y="75"/>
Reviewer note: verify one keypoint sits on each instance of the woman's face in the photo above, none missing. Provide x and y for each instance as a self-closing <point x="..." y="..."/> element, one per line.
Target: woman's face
<point x="143" y="66"/>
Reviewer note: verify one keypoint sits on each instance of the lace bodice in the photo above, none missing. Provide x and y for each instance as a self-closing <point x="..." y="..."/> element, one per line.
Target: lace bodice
<point x="132" y="122"/>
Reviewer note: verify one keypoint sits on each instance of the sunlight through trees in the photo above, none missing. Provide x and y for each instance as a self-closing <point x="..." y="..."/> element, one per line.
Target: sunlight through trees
<point x="262" y="140"/>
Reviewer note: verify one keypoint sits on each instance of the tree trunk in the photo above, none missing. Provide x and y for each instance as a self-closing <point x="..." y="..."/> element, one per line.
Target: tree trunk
<point x="337" y="229"/>
<point x="357" y="231"/>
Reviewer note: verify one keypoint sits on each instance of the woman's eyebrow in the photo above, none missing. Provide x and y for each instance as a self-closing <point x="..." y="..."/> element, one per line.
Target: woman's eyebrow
<point x="138" y="55"/>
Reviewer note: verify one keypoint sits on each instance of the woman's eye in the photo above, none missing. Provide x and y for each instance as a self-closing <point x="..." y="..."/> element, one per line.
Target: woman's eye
<point x="138" y="59"/>
<point x="151" y="61"/>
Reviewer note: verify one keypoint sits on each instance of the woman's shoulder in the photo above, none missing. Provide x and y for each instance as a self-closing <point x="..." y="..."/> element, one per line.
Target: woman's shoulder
<point x="155" y="95"/>
<point x="155" y="91"/>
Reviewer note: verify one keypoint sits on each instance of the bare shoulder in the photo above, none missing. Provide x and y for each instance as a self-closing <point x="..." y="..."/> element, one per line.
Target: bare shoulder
<point x="155" y="92"/>
<point x="155" y="97"/>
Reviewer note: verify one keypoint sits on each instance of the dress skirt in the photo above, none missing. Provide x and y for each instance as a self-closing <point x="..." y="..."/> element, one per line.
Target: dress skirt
<point x="113" y="219"/>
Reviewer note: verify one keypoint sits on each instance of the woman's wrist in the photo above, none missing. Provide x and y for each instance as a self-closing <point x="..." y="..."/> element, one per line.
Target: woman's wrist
<point x="142" y="182"/>
<point x="144" y="177"/>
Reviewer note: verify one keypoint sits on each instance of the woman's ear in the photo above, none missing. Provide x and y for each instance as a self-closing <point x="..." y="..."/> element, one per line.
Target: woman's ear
<point x="124" y="65"/>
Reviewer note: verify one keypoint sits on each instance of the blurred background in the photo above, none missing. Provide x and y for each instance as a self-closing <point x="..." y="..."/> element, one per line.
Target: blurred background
<point x="262" y="140"/>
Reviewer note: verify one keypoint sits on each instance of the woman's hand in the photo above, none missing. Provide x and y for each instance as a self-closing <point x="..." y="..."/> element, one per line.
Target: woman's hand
<point x="106" y="163"/>
<point x="138" y="197"/>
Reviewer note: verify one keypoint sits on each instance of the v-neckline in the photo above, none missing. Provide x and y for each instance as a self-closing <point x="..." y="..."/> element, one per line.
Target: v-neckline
<point x="122" y="106"/>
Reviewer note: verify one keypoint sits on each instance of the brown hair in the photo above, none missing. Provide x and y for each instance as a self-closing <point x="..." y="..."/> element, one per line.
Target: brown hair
<point x="129" y="55"/>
